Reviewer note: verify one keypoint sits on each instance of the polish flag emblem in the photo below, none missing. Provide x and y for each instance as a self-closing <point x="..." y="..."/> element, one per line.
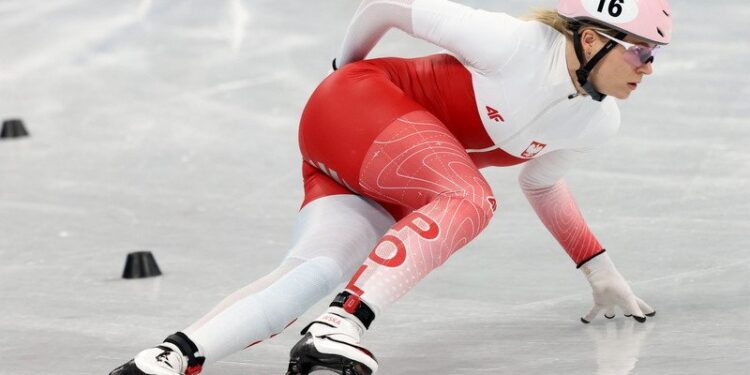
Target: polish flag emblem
<point x="533" y="149"/>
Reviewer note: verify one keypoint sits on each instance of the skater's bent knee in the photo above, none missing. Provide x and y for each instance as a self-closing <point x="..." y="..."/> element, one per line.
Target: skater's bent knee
<point x="483" y="202"/>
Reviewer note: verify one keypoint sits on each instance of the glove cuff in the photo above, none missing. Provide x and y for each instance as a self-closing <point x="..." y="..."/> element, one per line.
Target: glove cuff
<point x="590" y="258"/>
<point x="599" y="263"/>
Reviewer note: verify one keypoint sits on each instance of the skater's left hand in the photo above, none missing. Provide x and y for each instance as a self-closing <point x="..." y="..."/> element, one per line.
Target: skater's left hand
<point x="610" y="289"/>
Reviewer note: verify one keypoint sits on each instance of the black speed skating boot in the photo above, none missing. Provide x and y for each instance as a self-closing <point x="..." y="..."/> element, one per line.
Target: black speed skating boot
<point x="331" y="343"/>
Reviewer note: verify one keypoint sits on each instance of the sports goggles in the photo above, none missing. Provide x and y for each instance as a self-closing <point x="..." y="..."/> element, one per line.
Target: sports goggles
<point x="635" y="54"/>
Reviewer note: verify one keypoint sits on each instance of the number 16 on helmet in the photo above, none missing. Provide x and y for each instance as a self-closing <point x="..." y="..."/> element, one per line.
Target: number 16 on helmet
<point x="650" y="20"/>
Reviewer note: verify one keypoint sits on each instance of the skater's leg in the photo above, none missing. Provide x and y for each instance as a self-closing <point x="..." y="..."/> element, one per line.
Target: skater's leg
<point x="333" y="235"/>
<point x="416" y="163"/>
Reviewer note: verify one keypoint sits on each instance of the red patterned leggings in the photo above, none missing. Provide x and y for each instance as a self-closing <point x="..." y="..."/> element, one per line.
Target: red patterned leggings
<point x="380" y="144"/>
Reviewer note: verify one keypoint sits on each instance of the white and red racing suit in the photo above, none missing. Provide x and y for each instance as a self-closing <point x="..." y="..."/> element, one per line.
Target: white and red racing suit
<point x="412" y="134"/>
<point x="392" y="150"/>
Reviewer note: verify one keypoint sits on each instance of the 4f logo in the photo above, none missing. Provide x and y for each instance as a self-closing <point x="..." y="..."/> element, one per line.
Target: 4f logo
<point x="494" y="114"/>
<point x="533" y="149"/>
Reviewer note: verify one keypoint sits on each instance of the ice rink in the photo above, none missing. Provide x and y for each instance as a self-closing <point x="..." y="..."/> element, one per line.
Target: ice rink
<point x="171" y="126"/>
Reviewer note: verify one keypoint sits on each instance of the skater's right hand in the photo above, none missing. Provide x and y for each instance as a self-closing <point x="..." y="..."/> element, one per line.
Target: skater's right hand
<point x="610" y="289"/>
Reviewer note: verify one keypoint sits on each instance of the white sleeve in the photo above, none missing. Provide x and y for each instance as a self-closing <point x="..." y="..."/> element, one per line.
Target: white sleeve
<point x="371" y="21"/>
<point x="484" y="40"/>
<point x="547" y="169"/>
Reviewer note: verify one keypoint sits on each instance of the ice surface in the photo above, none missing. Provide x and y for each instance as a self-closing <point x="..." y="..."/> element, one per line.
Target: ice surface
<point x="171" y="126"/>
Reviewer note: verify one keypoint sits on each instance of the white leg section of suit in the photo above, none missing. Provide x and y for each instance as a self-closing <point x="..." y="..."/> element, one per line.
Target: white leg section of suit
<point x="333" y="236"/>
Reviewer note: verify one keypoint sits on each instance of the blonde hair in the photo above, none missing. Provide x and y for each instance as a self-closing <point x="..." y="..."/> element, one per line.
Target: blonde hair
<point x="551" y="18"/>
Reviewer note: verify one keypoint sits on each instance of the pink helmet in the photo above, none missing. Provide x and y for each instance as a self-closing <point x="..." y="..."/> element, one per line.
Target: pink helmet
<point x="647" y="19"/>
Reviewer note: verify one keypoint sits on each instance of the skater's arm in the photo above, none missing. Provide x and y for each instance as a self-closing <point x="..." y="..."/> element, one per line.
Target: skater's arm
<point x="542" y="182"/>
<point x="371" y="21"/>
<point x="484" y="40"/>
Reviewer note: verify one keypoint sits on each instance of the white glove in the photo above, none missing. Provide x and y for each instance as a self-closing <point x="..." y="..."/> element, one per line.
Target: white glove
<point x="610" y="289"/>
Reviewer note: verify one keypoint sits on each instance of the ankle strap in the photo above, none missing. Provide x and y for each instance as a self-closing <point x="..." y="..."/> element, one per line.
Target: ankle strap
<point x="352" y="304"/>
<point x="188" y="349"/>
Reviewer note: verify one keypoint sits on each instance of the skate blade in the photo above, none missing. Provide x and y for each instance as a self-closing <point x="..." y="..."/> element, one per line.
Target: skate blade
<point x="319" y="372"/>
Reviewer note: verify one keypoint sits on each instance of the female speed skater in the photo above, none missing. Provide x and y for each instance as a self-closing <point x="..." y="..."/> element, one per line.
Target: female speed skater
<point x="392" y="150"/>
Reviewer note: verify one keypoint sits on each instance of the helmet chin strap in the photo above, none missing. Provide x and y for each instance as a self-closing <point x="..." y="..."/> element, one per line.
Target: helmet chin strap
<point x="586" y="67"/>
